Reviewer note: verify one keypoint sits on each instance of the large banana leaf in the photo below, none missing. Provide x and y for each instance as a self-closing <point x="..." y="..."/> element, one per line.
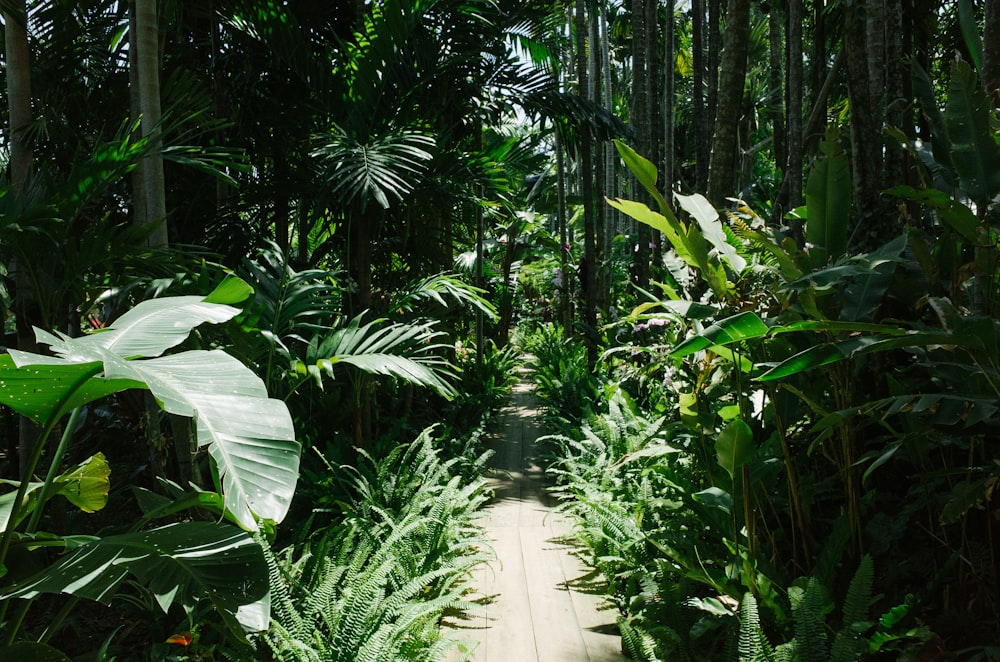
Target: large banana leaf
<point x="248" y="435"/>
<point x="178" y="563"/>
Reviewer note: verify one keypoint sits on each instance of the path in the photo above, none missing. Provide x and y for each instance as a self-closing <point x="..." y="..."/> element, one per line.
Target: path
<point x="540" y="608"/>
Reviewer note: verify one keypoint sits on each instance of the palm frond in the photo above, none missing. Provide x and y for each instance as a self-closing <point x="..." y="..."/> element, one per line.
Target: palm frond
<point x="389" y="165"/>
<point x="401" y="351"/>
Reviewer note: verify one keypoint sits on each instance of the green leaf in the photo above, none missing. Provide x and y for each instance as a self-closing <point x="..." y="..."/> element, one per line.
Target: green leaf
<point x="149" y="329"/>
<point x="828" y="204"/>
<point x="673" y="230"/>
<point x="249" y="436"/>
<point x="739" y="327"/>
<point x="87" y="485"/>
<point x="644" y="171"/>
<point x="958" y="216"/>
<point x="974" y="151"/>
<point x="734" y="447"/>
<point x="231" y="291"/>
<point x="41" y="387"/>
<point x="403" y="351"/>
<point x="179" y="563"/>
<point x="715" y="497"/>
<point x="702" y="211"/>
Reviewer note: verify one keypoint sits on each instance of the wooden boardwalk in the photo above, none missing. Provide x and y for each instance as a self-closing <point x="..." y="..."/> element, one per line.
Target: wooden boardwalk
<point x="543" y="604"/>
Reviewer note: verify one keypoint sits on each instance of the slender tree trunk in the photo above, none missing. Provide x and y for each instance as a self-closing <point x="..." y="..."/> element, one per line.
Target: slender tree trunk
<point x="610" y="154"/>
<point x="640" y="122"/>
<point x="818" y="59"/>
<point x="600" y="209"/>
<point x="991" y="52"/>
<point x="898" y="90"/>
<point x="714" y="32"/>
<point x="146" y="44"/>
<point x="865" y="126"/>
<point x="795" y="161"/>
<point x="588" y="267"/>
<point x="734" y="66"/>
<point x="18" y="66"/>
<point x="21" y="164"/>
<point x="701" y="127"/>
<point x="777" y="107"/>
<point x="669" y="84"/>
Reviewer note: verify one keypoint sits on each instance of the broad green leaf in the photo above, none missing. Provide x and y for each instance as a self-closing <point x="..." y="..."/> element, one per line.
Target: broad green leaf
<point x="702" y="211"/>
<point x="87" y="485"/>
<point x="249" y="436"/>
<point x="149" y="329"/>
<point x="828" y="204"/>
<point x="231" y="291"/>
<point x="959" y="217"/>
<point x="644" y="171"/>
<point x="974" y="151"/>
<point x="715" y="497"/>
<point x="739" y="327"/>
<point x="820" y="355"/>
<point x="41" y="387"/>
<point x="734" y="446"/>
<point x="673" y="230"/>
<point x="178" y="563"/>
<point x="863" y="295"/>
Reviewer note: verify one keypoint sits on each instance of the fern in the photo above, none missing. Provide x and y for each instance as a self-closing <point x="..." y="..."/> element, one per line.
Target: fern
<point x="850" y="644"/>
<point x="809" y="607"/>
<point x="753" y="644"/>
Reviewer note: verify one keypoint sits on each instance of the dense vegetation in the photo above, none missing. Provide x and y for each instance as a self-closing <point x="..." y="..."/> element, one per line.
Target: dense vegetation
<point x="267" y="268"/>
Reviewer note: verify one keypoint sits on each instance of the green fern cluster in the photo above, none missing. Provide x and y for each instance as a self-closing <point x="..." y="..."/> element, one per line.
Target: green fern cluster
<point x="374" y="586"/>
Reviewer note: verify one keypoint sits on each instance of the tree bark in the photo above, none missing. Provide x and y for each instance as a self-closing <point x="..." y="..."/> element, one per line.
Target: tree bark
<point x="145" y="40"/>
<point x="865" y="126"/>
<point x="795" y="160"/>
<point x="991" y="52"/>
<point x="669" y="85"/>
<point x="18" y="65"/>
<point x="21" y="164"/>
<point x="701" y="127"/>
<point x="588" y="267"/>
<point x="640" y="122"/>
<point x="731" y="82"/>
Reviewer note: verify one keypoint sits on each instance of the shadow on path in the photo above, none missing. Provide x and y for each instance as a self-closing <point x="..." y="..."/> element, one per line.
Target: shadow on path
<point x="542" y="604"/>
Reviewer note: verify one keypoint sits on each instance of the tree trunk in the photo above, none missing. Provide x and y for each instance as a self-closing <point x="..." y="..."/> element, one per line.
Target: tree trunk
<point x="865" y="127"/>
<point x="991" y="52"/>
<point x="777" y="108"/>
<point x="21" y="164"/>
<point x="640" y="118"/>
<point x="714" y="32"/>
<point x="145" y="40"/>
<point x="701" y="127"/>
<point x="668" y="100"/>
<point x="588" y="267"/>
<point x="795" y="160"/>
<point x="18" y="65"/>
<point x="733" y="72"/>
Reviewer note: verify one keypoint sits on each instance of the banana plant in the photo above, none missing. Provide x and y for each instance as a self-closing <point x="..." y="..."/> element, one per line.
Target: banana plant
<point x="249" y="438"/>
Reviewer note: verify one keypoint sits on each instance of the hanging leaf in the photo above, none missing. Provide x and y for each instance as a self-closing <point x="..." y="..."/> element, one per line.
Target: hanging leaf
<point x="734" y="446"/>
<point x="828" y="204"/>
<point x="974" y="151"/>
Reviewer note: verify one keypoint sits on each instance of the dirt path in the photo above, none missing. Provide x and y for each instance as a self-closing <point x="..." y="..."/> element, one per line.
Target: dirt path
<point x="545" y="606"/>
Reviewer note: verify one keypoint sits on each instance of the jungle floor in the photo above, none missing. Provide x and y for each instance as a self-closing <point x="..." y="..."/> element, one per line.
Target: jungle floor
<point x="541" y="603"/>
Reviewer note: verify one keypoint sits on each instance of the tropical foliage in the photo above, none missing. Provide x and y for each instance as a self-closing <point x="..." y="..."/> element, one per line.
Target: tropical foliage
<point x="251" y="249"/>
